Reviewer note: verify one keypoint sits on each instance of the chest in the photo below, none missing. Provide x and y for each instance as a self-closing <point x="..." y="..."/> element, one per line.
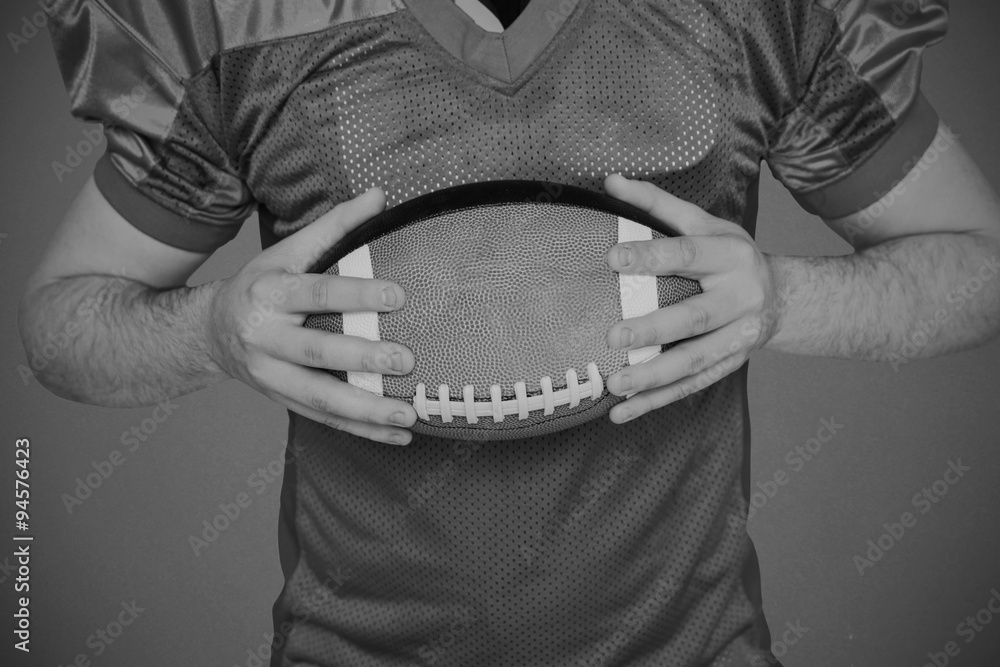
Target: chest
<point x="423" y="98"/>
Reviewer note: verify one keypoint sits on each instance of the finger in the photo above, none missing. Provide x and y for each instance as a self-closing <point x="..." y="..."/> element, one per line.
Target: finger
<point x="689" y="256"/>
<point x="317" y="293"/>
<point x="685" y="359"/>
<point x="694" y="316"/>
<point x="384" y="434"/>
<point x="324" y="393"/>
<point x="682" y="216"/>
<point x="300" y="251"/>
<point x="653" y="399"/>
<point x="321" y="349"/>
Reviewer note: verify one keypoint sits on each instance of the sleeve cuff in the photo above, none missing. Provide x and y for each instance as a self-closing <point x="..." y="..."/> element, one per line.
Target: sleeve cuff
<point x="879" y="173"/>
<point x="153" y="219"/>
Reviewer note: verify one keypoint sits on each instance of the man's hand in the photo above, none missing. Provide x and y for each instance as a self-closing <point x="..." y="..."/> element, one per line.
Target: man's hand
<point x="719" y="328"/>
<point x="256" y="333"/>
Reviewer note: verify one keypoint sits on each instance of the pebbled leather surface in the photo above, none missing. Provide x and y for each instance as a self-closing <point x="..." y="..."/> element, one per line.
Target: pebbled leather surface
<point x="499" y="294"/>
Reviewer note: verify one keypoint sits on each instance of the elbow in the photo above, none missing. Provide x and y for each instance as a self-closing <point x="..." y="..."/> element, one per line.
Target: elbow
<point x="45" y="350"/>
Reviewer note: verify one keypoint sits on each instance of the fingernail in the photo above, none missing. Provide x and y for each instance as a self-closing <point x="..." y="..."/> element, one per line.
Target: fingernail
<point x="396" y="361"/>
<point x="625" y="383"/>
<point x="625" y="414"/>
<point x="398" y="418"/>
<point x="625" y="256"/>
<point x="389" y="296"/>
<point x="625" y="337"/>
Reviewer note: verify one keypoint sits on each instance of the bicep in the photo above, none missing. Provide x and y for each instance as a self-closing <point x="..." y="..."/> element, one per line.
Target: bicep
<point x="94" y="239"/>
<point x="945" y="192"/>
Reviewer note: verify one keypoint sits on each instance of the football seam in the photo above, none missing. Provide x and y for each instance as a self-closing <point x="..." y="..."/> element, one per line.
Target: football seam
<point x="522" y="405"/>
<point x="509" y="427"/>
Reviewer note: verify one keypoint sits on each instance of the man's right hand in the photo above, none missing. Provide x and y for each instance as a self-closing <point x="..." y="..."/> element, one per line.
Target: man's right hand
<point x="256" y="335"/>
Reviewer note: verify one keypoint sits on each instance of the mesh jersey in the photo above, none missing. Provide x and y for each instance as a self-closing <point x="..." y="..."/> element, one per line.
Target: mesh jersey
<point x="600" y="545"/>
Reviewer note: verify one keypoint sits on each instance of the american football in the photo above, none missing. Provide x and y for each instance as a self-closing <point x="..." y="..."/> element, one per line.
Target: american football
<point x="509" y="301"/>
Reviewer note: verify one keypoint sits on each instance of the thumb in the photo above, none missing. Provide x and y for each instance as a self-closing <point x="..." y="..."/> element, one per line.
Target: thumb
<point x="298" y="252"/>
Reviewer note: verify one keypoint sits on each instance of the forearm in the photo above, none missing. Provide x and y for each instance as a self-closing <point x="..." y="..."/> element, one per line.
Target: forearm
<point x="914" y="297"/>
<point x="110" y="341"/>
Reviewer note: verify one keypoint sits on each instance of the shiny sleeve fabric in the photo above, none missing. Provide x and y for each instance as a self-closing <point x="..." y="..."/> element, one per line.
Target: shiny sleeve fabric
<point x="860" y="122"/>
<point x="142" y="69"/>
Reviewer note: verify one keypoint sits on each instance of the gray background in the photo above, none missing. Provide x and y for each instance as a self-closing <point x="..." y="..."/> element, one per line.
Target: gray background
<point x="129" y="540"/>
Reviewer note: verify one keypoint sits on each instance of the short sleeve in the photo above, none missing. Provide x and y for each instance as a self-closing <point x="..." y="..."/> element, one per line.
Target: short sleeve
<point x="861" y="122"/>
<point x="141" y="70"/>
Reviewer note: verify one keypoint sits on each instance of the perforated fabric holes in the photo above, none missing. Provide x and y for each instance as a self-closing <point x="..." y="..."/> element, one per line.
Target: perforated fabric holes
<point x="602" y="544"/>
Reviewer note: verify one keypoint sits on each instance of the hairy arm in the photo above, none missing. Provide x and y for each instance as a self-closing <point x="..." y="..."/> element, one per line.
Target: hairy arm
<point x="124" y="336"/>
<point x="117" y="342"/>
<point x="107" y="319"/>
<point x="924" y="279"/>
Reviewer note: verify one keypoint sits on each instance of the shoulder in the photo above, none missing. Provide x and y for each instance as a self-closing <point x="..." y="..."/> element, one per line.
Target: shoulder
<point x="177" y="37"/>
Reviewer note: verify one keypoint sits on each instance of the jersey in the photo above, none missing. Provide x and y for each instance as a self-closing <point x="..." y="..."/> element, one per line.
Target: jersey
<point x="603" y="544"/>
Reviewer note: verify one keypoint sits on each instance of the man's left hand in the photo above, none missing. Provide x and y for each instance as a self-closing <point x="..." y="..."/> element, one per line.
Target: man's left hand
<point x="734" y="315"/>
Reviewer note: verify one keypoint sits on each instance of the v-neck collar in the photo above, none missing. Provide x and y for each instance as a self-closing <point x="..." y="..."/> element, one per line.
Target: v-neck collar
<point x="503" y="56"/>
